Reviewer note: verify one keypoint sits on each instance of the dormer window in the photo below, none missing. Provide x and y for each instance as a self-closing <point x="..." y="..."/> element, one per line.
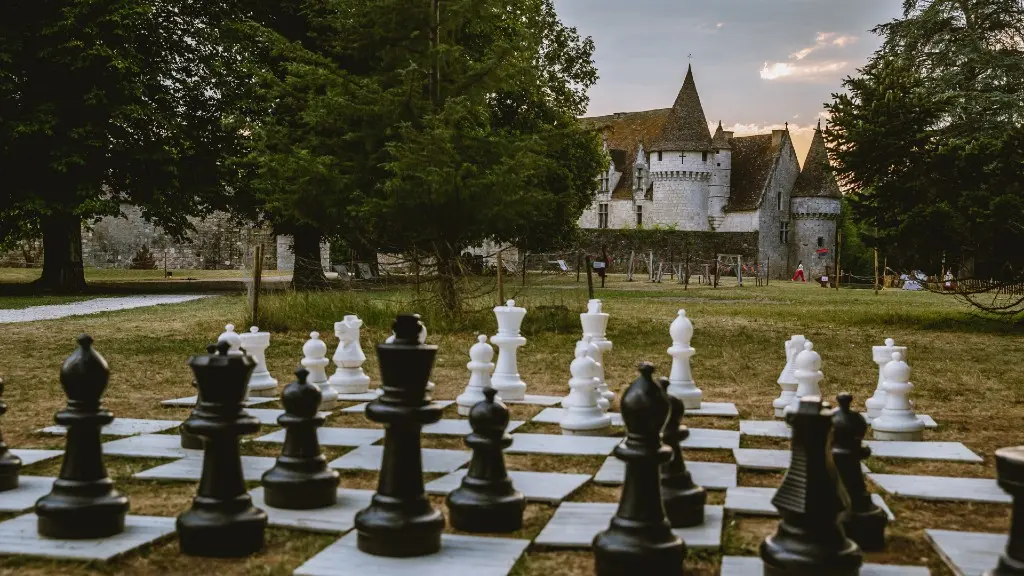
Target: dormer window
<point x="704" y="156"/>
<point x="659" y="156"/>
<point x="640" y="178"/>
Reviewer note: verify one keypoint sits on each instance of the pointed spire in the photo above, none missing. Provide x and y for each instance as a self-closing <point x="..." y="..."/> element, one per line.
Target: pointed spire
<point x="686" y="128"/>
<point x="720" y="141"/>
<point x="817" y="180"/>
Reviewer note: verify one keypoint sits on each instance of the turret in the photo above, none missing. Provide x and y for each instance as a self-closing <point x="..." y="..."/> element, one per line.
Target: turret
<point x="814" y="207"/>
<point x="721" y="177"/>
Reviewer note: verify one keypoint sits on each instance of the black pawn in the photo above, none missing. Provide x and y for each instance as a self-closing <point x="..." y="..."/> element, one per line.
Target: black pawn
<point x="1010" y="472"/>
<point x="684" y="500"/>
<point x="300" y="479"/>
<point x="400" y="522"/>
<point x="10" y="465"/>
<point x="222" y="521"/>
<point x="190" y="441"/>
<point x="810" y="539"/>
<point x="83" y="503"/>
<point x="486" y="501"/>
<point x="864" y="522"/>
<point x="639" y="539"/>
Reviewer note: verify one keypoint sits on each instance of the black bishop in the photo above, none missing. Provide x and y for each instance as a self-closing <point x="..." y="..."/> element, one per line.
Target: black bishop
<point x="864" y="522"/>
<point x="684" y="500"/>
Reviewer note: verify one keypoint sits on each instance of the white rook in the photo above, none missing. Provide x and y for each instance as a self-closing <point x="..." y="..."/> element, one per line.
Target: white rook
<point x="583" y="414"/>
<point x="506" y="378"/>
<point x="681" y="384"/>
<point x="255" y="343"/>
<point x="807" y="371"/>
<point x="479" y="366"/>
<point x="897" y="421"/>
<point x="315" y="361"/>
<point x="349" y="378"/>
<point x="786" y="379"/>
<point x="882" y="355"/>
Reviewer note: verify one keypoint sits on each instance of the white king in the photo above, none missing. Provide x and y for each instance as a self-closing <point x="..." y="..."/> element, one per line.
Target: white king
<point x="681" y="384"/>
<point x="506" y="378"/>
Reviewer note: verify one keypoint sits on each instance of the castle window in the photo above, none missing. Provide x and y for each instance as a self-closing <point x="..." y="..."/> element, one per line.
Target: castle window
<point x="640" y="178"/>
<point x="604" y="183"/>
<point x="821" y="242"/>
<point x="784" y="233"/>
<point x="602" y="215"/>
<point x="704" y="156"/>
<point x="639" y="216"/>
<point x="659" y="156"/>
<point x="780" y="200"/>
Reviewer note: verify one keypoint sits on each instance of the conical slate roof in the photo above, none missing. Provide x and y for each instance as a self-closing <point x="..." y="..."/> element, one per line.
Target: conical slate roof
<point x="720" y="142"/>
<point x="686" y="128"/>
<point x="817" y="180"/>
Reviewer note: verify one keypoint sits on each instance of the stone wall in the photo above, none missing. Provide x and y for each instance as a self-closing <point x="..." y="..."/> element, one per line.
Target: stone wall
<point x="814" y="219"/>
<point x="682" y="182"/>
<point x="775" y="210"/>
<point x="667" y="245"/>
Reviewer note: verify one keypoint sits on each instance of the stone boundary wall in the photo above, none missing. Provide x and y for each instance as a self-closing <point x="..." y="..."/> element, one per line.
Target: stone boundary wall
<point x="667" y="245"/>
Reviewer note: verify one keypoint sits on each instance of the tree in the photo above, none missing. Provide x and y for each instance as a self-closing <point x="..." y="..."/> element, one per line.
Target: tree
<point x="104" y="102"/>
<point x="927" y="137"/>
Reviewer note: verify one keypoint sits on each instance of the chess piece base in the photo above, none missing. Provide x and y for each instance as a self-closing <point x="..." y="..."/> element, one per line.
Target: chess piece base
<point x="383" y="533"/>
<point x="472" y="511"/>
<point x="10" y="466"/>
<point x="874" y="406"/>
<point x="1007" y="567"/>
<point x="867" y="529"/>
<point x="222" y="534"/>
<point x="911" y="436"/>
<point x="593" y="432"/>
<point x="684" y="508"/>
<point x="621" y="553"/>
<point x="780" y="412"/>
<point x="66" y="517"/>
<point x="780" y="561"/>
<point x="509" y="390"/>
<point x="288" y="490"/>
<point x="191" y="441"/>
<point x="262" y="385"/>
<point x="688" y="393"/>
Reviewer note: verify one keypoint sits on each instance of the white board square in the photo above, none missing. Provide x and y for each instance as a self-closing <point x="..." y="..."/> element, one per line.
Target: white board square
<point x="758" y="502"/>
<point x="575" y="524"/>
<point x="339" y="518"/>
<point x="954" y="451"/>
<point x="149" y="446"/>
<point x="556" y="415"/>
<point x="191" y="469"/>
<point x="544" y="487"/>
<point x="710" y="475"/>
<point x="967" y="553"/>
<point x="22" y="498"/>
<point x="123" y="427"/>
<point x="453" y="427"/>
<point x="753" y="566"/>
<point x="765" y="428"/>
<point x="434" y="460"/>
<point x="537" y="400"/>
<point x="348" y="437"/>
<point x="361" y="408"/>
<point x="474" y="555"/>
<point x="710" y="439"/>
<point x="190" y="401"/>
<point x="269" y="416"/>
<point x="30" y="456"/>
<point x="563" y="445"/>
<point x="757" y="459"/>
<point x="942" y="488"/>
<point x="722" y="409"/>
<point x="363" y="397"/>
<point x="18" y="536"/>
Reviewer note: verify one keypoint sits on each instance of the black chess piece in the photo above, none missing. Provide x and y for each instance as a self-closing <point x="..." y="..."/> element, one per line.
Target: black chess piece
<point x="864" y="522"/>
<point x="487" y="501"/>
<point x="83" y="502"/>
<point x="190" y="441"/>
<point x="810" y="539"/>
<point x="1010" y="472"/>
<point x="400" y="522"/>
<point x="300" y="479"/>
<point x="639" y="539"/>
<point x="10" y="465"/>
<point x="222" y="522"/>
<point x="684" y="500"/>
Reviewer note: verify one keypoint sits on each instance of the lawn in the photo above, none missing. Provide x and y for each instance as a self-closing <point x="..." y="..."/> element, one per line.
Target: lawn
<point x="966" y="373"/>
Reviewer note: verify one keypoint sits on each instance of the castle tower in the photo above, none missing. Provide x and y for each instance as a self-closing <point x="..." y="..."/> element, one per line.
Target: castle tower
<point x="682" y="157"/>
<point x="721" y="177"/>
<point x="814" y="207"/>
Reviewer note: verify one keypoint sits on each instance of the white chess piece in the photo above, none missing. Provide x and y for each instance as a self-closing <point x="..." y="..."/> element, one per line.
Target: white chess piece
<point x="897" y="421"/>
<point x="598" y="330"/>
<point x="681" y="384"/>
<point x="786" y="380"/>
<point x="255" y="343"/>
<point x="422" y="340"/>
<point x="232" y="338"/>
<point x="807" y="371"/>
<point x="315" y="361"/>
<point x="349" y="378"/>
<point x="583" y="414"/>
<point x="480" y="366"/>
<point x="506" y="378"/>
<point x="882" y="355"/>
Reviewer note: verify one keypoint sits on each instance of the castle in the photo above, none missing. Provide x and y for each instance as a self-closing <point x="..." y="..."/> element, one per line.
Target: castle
<point x="667" y="170"/>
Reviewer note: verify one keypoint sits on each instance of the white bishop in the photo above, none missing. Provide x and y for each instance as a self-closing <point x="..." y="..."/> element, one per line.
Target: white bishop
<point x="681" y="384"/>
<point x="480" y="366"/>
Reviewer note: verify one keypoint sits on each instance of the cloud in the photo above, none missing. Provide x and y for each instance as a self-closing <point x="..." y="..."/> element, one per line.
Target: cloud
<point x="824" y="40"/>
<point x="809" y="71"/>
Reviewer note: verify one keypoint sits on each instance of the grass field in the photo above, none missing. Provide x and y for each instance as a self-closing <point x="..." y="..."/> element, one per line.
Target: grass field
<point x="966" y="371"/>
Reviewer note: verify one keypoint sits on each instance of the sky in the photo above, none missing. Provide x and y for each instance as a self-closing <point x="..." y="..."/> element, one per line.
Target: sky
<point x="757" y="63"/>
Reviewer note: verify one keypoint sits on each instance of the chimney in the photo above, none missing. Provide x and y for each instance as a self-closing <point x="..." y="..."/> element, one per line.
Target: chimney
<point x="618" y="114"/>
<point x="777" y="138"/>
<point x="729" y="135"/>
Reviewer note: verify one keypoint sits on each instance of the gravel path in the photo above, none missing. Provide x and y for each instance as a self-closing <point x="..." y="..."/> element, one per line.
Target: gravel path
<point x="93" y="306"/>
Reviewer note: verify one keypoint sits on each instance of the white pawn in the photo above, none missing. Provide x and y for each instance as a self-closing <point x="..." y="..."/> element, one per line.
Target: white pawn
<point x="897" y="421"/>
<point x="255" y="343"/>
<point x="506" y="378"/>
<point x="786" y="379"/>
<point x="882" y="355"/>
<point x="583" y="415"/>
<point x="422" y="340"/>
<point x="807" y="371"/>
<point x="681" y="384"/>
<point x="598" y="329"/>
<point x="480" y="366"/>
<point x="232" y="338"/>
<point x="315" y="361"/>
<point x="349" y="378"/>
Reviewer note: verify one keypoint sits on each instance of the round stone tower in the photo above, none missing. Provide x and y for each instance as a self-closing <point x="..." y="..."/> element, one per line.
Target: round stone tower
<point x="721" y="177"/>
<point x="682" y="158"/>
<point x="814" y="206"/>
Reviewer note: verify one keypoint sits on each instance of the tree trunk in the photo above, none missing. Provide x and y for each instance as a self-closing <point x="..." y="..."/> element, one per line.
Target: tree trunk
<point x="63" y="270"/>
<point x="308" y="274"/>
<point x="447" y="276"/>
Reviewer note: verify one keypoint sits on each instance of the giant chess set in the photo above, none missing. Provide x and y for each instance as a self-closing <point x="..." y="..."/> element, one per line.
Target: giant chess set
<point x="828" y="519"/>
